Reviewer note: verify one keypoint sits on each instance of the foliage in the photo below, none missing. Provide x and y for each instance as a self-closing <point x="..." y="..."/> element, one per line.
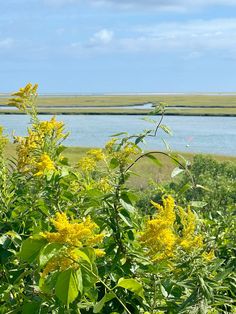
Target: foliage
<point x="77" y="240"/>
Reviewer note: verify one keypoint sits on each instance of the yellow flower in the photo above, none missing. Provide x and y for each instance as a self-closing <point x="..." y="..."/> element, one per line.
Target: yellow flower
<point x="97" y="154"/>
<point x="159" y="237"/>
<point x="99" y="252"/>
<point x="188" y="239"/>
<point x="45" y="164"/>
<point x="87" y="164"/>
<point x="104" y="185"/>
<point x="65" y="259"/>
<point x="209" y="256"/>
<point x="50" y="128"/>
<point x="24" y="97"/>
<point x="162" y="237"/>
<point x="109" y="147"/>
<point x="75" y="234"/>
<point x="3" y="139"/>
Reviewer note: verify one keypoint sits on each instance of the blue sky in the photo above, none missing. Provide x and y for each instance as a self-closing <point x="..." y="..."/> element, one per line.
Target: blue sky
<point x="118" y="46"/>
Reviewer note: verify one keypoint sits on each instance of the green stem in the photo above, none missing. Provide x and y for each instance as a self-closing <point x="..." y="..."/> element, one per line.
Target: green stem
<point x="165" y="154"/>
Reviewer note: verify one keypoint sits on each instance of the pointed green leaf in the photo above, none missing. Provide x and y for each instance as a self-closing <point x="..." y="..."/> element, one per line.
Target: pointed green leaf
<point x="154" y="159"/>
<point x="198" y="204"/>
<point x="67" y="286"/>
<point x="132" y="285"/>
<point x="107" y="297"/>
<point x="176" y="171"/>
<point x="30" y="248"/>
<point x="166" y="129"/>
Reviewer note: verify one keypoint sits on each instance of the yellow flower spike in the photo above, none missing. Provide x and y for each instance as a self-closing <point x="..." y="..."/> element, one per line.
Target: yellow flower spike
<point x="62" y="261"/>
<point x="45" y="164"/>
<point x="161" y="236"/>
<point x="97" y="154"/>
<point x="87" y="164"/>
<point x="75" y="234"/>
<point x="99" y="252"/>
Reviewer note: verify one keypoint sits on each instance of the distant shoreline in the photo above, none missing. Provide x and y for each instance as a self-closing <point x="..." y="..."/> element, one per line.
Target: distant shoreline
<point x="214" y="104"/>
<point x="122" y="113"/>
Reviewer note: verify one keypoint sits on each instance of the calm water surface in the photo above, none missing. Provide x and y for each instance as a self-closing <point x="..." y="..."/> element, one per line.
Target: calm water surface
<point x="194" y="134"/>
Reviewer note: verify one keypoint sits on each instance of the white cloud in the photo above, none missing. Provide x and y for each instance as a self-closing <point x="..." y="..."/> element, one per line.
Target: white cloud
<point x="103" y="37"/>
<point x="171" y="5"/>
<point x="193" y="39"/>
<point x="198" y="35"/>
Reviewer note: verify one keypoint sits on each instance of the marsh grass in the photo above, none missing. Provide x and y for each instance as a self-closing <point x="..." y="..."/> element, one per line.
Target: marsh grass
<point x="145" y="171"/>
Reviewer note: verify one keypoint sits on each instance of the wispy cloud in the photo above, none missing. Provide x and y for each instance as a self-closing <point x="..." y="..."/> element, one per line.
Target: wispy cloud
<point x="102" y="37"/>
<point x="193" y="38"/>
<point x="176" y="5"/>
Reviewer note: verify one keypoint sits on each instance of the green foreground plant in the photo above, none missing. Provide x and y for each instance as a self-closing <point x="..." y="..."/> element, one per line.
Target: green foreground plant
<point x="77" y="240"/>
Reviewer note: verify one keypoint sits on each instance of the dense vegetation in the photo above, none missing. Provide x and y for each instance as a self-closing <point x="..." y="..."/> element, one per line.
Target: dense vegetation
<point x="78" y="240"/>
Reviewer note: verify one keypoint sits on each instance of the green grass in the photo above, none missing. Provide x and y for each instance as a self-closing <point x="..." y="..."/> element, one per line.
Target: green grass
<point x="200" y="104"/>
<point x="144" y="171"/>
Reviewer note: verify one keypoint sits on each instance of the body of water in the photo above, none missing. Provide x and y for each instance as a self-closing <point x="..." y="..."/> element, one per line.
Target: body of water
<point x="215" y="135"/>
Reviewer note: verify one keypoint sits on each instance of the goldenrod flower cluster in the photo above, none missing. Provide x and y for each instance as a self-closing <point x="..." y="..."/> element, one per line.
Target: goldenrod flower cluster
<point x="3" y="139"/>
<point x="25" y="148"/>
<point x="74" y="235"/>
<point x="97" y="154"/>
<point x="28" y="147"/>
<point x="24" y="97"/>
<point x="52" y="128"/>
<point x="65" y="259"/>
<point x="44" y="165"/>
<point x="188" y="239"/>
<point x="104" y="185"/>
<point x="162" y="238"/>
<point x="88" y="163"/>
<point x="124" y="153"/>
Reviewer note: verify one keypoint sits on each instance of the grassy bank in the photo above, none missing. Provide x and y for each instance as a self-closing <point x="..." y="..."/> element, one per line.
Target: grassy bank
<point x="145" y="169"/>
<point x="178" y="104"/>
<point x="177" y="112"/>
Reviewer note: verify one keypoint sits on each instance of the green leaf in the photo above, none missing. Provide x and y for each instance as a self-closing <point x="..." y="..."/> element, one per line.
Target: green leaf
<point x="47" y="285"/>
<point x="83" y="255"/>
<point x="89" y="274"/>
<point x="30" y="249"/>
<point x="118" y="134"/>
<point x="67" y="286"/>
<point x="203" y="187"/>
<point x="107" y="297"/>
<point x="140" y="139"/>
<point x="127" y="206"/>
<point x="198" y="204"/>
<point x="176" y="171"/>
<point x="154" y="159"/>
<point x="48" y="252"/>
<point x="166" y="145"/>
<point x="184" y="188"/>
<point x="126" y="220"/>
<point x="31" y="307"/>
<point x="132" y="285"/>
<point x="114" y="163"/>
<point x="79" y="280"/>
<point x="163" y="291"/>
<point x="166" y="129"/>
